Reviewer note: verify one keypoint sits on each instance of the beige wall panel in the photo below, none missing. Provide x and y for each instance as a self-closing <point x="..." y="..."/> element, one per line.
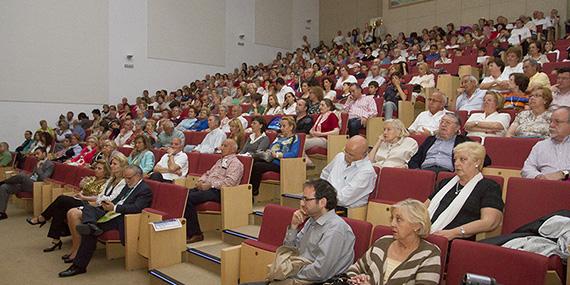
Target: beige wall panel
<point x="509" y="9"/>
<point x="474" y="3"/>
<point x="472" y="15"/>
<point x="417" y="24"/>
<point x="421" y="9"/>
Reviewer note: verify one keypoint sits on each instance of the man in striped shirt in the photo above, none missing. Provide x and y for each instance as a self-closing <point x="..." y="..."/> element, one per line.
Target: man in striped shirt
<point x="360" y="108"/>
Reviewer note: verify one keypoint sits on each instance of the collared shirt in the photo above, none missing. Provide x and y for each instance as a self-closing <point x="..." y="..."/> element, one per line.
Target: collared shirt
<point x="396" y="154"/>
<point x="440" y="154"/>
<point x="180" y="159"/>
<point x="186" y="124"/>
<point x="363" y="107"/>
<point x="211" y="141"/>
<point x="503" y="118"/>
<point x="530" y="125"/>
<point x="560" y="99"/>
<point x="475" y="102"/>
<point x="121" y="140"/>
<point x="509" y="70"/>
<point x="328" y="242"/>
<point x="427" y="120"/>
<point x="547" y="156"/>
<point x="353" y="182"/>
<point x="380" y="79"/>
<point x="340" y="81"/>
<point x="165" y="139"/>
<point x="227" y="171"/>
<point x="281" y="94"/>
<point x="518" y="35"/>
<point x="539" y="79"/>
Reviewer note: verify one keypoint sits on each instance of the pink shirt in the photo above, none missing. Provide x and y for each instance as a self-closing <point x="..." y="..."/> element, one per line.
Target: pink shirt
<point x="364" y="107"/>
<point x="227" y="171"/>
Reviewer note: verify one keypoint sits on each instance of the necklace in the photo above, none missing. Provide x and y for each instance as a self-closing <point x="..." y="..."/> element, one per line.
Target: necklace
<point x="457" y="190"/>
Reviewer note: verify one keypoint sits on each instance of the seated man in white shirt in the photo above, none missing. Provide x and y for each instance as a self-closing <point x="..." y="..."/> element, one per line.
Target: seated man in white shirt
<point x="427" y="122"/>
<point x="282" y="89"/>
<point x="172" y="165"/>
<point x="519" y="34"/>
<point x="351" y="173"/>
<point x="212" y="140"/>
<point x="374" y="76"/>
<point x="561" y="91"/>
<point x="238" y="114"/>
<point x="549" y="159"/>
<point x="470" y="97"/>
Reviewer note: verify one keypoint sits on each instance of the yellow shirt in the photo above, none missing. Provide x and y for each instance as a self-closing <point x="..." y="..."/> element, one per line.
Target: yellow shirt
<point x="540" y="79"/>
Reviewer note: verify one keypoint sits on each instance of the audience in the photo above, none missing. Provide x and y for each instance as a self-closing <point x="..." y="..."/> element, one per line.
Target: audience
<point x="533" y="122"/>
<point x="5" y="155"/>
<point x="142" y="155"/>
<point x="561" y="91"/>
<point x="394" y="147"/>
<point x="536" y="79"/>
<point x="489" y="123"/>
<point x="213" y="139"/>
<point x="427" y="122"/>
<point x="513" y="57"/>
<point x="172" y="165"/>
<point x="87" y="153"/>
<point x="470" y="97"/>
<point x="326" y="124"/>
<point x="304" y="122"/>
<point x="257" y="141"/>
<point x="359" y="108"/>
<point x="168" y="134"/>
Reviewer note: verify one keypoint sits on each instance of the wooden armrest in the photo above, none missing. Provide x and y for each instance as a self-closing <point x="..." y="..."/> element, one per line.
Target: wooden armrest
<point x="335" y="145"/>
<point x="236" y="206"/>
<point x="230" y="265"/>
<point x="378" y="213"/>
<point x="374" y="127"/>
<point x="293" y="175"/>
<point x="37" y="198"/>
<point x="406" y="112"/>
<point x="358" y="213"/>
<point x="132" y="259"/>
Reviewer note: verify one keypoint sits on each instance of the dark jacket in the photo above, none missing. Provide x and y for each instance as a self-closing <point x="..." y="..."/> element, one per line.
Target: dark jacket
<point x="140" y="198"/>
<point x="420" y="156"/>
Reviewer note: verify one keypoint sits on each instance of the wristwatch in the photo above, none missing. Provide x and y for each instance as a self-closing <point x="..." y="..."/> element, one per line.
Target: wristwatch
<point x="566" y="174"/>
<point x="462" y="231"/>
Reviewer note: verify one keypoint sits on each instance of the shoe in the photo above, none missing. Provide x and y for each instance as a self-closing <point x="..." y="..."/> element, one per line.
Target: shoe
<point x="54" y="246"/>
<point x="29" y="220"/>
<point x="195" y="238"/>
<point x="3" y="216"/>
<point x="72" y="271"/>
<point x="65" y="256"/>
<point x="68" y="260"/>
<point x="89" y="229"/>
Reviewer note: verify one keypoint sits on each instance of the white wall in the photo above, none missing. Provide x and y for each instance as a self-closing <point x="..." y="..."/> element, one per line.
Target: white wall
<point x="127" y="24"/>
<point x="441" y="12"/>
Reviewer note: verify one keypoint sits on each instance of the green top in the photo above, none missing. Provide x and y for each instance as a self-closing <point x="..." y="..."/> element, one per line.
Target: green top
<point x="5" y="159"/>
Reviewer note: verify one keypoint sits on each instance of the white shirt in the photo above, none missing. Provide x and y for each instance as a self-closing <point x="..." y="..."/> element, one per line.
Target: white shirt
<point x="353" y="183"/>
<point x="427" y="120"/>
<point x="281" y="94"/>
<point x="332" y="95"/>
<point x="442" y="60"/>
<point x="291" y="110"/>
<point x="211" y="141"/>
<point x="274" y="111"/>
<point x="523" y="32"/>
<point x="338" y="40"/>
<point x="243" y="121"/>
<point x="380" y="79"/>
<point x="340" y="82"/>
<point x="180" y="159"/>
<point x="121" y="140"/>
<point x="399" y="59"/>
<point x="509" y="70"/>
<point x="504" y="119"/>
<point x="470" y="104"/>
<point x="396" y="154"/>
<point x="426" y="81"/>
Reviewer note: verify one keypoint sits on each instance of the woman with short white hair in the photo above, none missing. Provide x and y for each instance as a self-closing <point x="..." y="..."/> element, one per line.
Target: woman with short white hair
<point x="394" y="147"/>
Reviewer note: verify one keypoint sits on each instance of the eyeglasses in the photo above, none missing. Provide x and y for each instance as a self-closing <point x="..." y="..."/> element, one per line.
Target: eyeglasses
<point x="306" y="199"/>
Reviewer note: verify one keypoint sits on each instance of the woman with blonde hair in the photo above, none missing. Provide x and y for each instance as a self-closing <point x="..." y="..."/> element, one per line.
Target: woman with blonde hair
<point x="404" y="257"/>
<point x="394" y="147"/>
<point x="237" y="132"/>
<point x="273" y="107"/>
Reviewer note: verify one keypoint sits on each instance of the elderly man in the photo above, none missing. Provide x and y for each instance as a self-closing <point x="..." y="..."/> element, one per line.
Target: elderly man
<point x="325" y="242"/>
<point x="550" y="159"/>
<point x="427" y="122"/>
<point x="172" y="165"/>
<point x="309" y="77"/>
<point x="374" y="76"/>
<point x="470" y="96"/>
<point x="168" y="134"/>
<point x="436" y="152"/>
<point x="125" y="133"/>
<point x="132" y="200"/>
<point x="519" y="33"/>
<point x="24" y="183"/>
<point x="360" y="108"/>
<point x="536" y="79"/>
<point x="561" y="91"/>
<point x="212" y="140"/>
<point x="227" y="171"/>
<point x="351" y="173"/>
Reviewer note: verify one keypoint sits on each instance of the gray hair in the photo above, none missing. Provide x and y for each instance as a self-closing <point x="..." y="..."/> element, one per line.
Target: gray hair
<point x="532" y="62"/>
<point x="136" y="169"/>
<point x="398" y="125"/>
<point x="471" y="78"/>
<point x="416" y="213"/>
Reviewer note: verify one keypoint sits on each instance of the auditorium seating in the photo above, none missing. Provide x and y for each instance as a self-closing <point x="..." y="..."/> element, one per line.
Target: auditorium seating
<point x="362" y="231"/>
<point x="321" y="156"/>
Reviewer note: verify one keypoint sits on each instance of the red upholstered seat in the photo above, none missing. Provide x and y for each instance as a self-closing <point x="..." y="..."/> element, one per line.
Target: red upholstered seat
<point x="270" y="175"/>
<point x="171" y="199"/>
<point x="550" y="66"/>
<point x="507" y="266"/>
<point x="509" y="152"/>
<point x="419" y="184"/>
<point x="209" y="206"/>
<point x="125" y="150"/>
<point x="193" y="160"/>
<point x="361" y="230"/>
<point x="419" y="138"/>
<point x="206" y="161"/>
<point x="25" y="195"/>
<point x="158" y="153"/>
<point x="59" y="173"/>
<point x="112" y="235"/>
<point x="450" y="68"/>
<point x="441" y="242"/>
<point x="273" y="227"/>
<point x="29" y="163"/>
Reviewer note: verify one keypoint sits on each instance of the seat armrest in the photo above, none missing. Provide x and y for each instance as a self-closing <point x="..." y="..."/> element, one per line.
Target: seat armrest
<point x="335" y="144"/>
<point x="236" y="206"/>
<point x="155" y="212"/>
<point x="293" y="175"/>
<point x="357" y="213"/>
<point x="374" y="127"/>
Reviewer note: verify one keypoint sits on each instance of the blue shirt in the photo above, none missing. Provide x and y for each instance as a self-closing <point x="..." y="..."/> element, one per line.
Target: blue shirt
<point x="199" y="125"/>
<point x="289" y="146"/>
<point x="186" y="124"/>
<point x="440" y="154"/>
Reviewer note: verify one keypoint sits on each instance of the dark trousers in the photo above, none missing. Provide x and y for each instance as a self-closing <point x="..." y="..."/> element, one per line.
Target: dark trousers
<point x="157" y="176"/>
<point x="57" y="212"/>
<point x="436" y="169"/>
<point x="13" y="185"/>
<point x="354" y="126"/>
<point x="260" y="167"/>
<point x="89" y="242"/>
<point x="197" y="197"/>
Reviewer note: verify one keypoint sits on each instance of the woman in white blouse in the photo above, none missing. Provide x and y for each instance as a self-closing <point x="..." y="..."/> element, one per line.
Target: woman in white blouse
<point x="535" y="52"/>
<point x="327" y="87"/>
<point x="290" y="104"/>
<point x="273" y="107"/>
<point x="490" y="123"/>
<point x="344" y="77"/>
<point x="394" y="147"/>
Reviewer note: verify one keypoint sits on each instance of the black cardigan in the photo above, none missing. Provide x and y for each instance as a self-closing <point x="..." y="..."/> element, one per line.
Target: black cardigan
<point x="420" y="156"/>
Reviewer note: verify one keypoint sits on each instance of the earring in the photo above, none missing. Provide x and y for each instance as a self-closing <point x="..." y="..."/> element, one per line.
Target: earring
<point x="477" y="165"/>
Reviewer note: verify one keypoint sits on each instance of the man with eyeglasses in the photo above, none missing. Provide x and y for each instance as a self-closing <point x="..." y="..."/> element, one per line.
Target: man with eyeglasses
<point x="351" y="173"/>
<point x="132" y="200"/>
<point x="436" y="152"/>
<point x="325" y="242"/>
<point x="561" y="91"/>
<point x="550" y="159"/>
<point x="427" y="122"/>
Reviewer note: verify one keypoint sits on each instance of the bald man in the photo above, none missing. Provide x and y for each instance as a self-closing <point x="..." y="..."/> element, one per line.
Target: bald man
<point x="351" y="173"/>
<point x="227" y="171"/>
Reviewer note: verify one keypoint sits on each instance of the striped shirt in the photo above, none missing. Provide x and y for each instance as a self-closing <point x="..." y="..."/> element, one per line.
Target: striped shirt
<point x="423" y="266"/>
<point x="363" y="107"/>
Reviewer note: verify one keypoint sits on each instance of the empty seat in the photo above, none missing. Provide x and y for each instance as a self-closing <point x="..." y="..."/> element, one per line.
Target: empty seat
<point x="361" y="230"/>
<point x="509" y="153"/>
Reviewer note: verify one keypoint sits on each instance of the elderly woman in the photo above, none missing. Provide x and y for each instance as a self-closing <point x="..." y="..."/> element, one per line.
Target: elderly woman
<point x="513" y="62"/>
<point x="326" y="124"/>
<point x="467" y="204"/>
<point x="423" y="79"/>
<point x="90" y="186"/>
<point x="142" y="156"/>
<point x="534" y="122"/>
<point x="290" y="105"/>
<point x="494" y="81"/>
<point x="286" y="145"/>
<point x="535" y="52"/>
<point x="258" y="140"/>
<point x="404" y="257"/>
<point x="110" y="190"/>
<point x="490" y="123"/>
<point x="87" y="153"/>
<point x="315" y="97"/>
<point x="237" y="132"/>
<point x="394" y="147"/>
